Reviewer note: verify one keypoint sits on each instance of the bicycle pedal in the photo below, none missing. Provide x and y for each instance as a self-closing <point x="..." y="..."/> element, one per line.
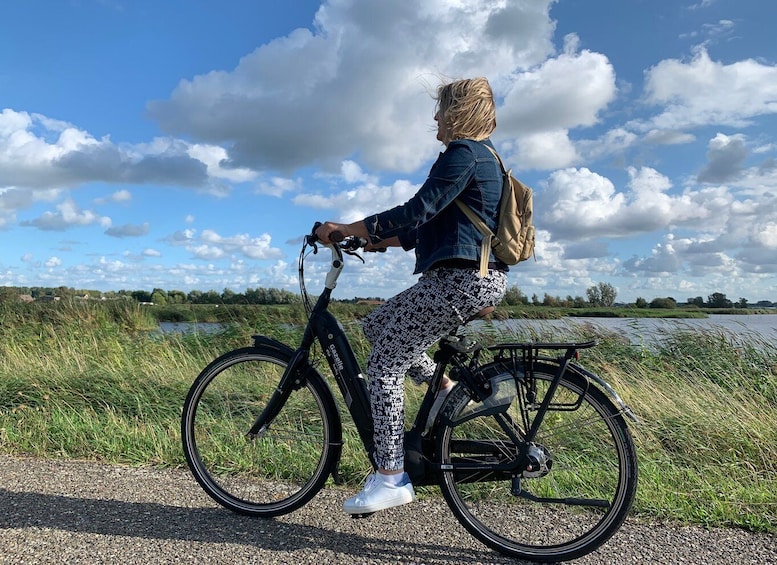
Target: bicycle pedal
<point x="362" y="516"/>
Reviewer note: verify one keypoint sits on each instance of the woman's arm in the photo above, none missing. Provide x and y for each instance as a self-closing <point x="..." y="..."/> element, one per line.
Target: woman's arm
<point x="383" y="244"/>
<point x="358" y="229"/>
<point x="449" y="176"/>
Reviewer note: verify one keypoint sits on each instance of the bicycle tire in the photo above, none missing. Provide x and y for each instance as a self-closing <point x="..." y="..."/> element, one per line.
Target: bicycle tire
<point x="284" y="467"/>
<point x="593" y="460"/>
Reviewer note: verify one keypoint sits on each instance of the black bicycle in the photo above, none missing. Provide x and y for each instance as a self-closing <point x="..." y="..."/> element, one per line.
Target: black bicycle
<point x="531" y="451"/>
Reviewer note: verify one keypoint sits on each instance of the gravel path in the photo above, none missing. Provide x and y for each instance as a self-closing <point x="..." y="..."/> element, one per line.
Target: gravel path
<point x="55" y="511"/>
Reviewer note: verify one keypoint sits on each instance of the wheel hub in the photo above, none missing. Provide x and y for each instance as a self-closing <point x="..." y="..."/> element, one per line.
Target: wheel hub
<point x="540" y="462"/>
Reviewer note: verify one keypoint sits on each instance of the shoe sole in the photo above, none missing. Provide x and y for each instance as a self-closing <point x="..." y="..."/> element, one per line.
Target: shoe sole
<point x="367" y="510"/>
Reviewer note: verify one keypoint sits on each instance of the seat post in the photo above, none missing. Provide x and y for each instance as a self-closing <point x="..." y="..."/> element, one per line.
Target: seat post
<point x="482" y="314"/>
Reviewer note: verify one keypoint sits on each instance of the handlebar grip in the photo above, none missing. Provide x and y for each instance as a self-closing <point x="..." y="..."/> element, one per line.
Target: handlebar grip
<point x="336" y="236"/>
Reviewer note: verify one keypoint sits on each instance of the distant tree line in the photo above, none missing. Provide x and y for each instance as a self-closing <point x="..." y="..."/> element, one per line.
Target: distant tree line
<point x="156" y="296"/>
<point x="604" y="294"/>
<point x="601" y="294"/>
<point x="714" y="300"/>
<point x="598" y="295"/>
<point x="227" y="296"/>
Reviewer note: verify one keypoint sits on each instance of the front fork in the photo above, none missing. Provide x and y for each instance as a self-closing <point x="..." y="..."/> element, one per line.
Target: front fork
<point x="293" y="379"/>
<point x="344" y="367"/>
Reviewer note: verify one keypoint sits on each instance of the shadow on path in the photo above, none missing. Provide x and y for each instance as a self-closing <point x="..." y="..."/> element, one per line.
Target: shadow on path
<point x="215" y="525"/>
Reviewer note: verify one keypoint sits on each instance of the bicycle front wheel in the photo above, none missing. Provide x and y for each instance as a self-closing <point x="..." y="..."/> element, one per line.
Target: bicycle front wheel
<point x="579" y="487"/>
<point x="286" y="465"/>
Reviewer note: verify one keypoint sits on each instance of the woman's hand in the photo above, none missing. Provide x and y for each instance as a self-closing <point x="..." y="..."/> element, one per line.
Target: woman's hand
<point x="324" y="231"/>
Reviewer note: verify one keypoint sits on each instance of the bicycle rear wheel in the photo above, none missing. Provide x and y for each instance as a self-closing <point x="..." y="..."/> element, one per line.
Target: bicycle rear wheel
<point x="580" y="487"/>
<point x="285" y="466"/>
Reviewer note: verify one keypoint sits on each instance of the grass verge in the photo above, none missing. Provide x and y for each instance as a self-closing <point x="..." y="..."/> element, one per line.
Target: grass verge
<point x="96" y="382"/>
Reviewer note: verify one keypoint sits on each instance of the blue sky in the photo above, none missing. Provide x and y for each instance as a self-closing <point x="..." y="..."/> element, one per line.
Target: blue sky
<point x="189" y="145"/>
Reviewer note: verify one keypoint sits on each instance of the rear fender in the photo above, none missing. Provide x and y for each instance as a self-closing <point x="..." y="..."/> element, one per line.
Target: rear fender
<point x="604" y="385"/>
<point x="495" y="371"/>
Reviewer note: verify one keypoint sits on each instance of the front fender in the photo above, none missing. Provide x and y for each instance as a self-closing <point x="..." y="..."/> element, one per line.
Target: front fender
<point x="264" y="341"/>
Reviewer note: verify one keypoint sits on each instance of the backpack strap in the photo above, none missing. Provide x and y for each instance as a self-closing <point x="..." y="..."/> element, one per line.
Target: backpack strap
<point x="499" y="160"/>
<point x="488" y="235"/>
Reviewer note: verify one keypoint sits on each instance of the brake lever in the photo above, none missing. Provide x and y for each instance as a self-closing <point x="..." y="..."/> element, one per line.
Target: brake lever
<point x="311" y="240"/>
<point x="353" y="253"/>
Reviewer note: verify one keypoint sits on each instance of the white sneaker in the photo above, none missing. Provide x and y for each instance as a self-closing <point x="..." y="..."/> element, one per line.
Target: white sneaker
<point x="377" y="494"/>
<point x="442" y="394"/>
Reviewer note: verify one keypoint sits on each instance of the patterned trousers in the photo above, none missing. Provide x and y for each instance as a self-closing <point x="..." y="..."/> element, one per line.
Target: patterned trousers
<point x="403" y="329"/>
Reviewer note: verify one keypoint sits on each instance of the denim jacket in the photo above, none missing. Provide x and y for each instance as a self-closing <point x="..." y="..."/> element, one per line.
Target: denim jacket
<point x="431" y="223"/>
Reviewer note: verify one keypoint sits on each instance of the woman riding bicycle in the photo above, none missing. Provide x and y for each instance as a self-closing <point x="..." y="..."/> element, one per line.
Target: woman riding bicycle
<point x="450" y="290"/>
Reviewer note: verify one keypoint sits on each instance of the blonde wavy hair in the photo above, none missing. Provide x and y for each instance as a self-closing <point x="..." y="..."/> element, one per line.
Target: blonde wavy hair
<point x="467" y="109"/>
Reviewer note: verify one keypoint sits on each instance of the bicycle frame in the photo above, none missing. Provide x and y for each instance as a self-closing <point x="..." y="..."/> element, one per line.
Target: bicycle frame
<point x="325" y="328"/>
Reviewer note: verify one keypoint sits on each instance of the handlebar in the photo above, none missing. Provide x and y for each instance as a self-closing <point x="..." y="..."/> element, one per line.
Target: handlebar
<point x="347" y="243"/>
<point x="338" y="245"/>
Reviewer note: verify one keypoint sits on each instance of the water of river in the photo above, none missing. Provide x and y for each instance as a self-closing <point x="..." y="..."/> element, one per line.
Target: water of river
<point x="190" y="327"/>
<point x="739" y="327"/>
